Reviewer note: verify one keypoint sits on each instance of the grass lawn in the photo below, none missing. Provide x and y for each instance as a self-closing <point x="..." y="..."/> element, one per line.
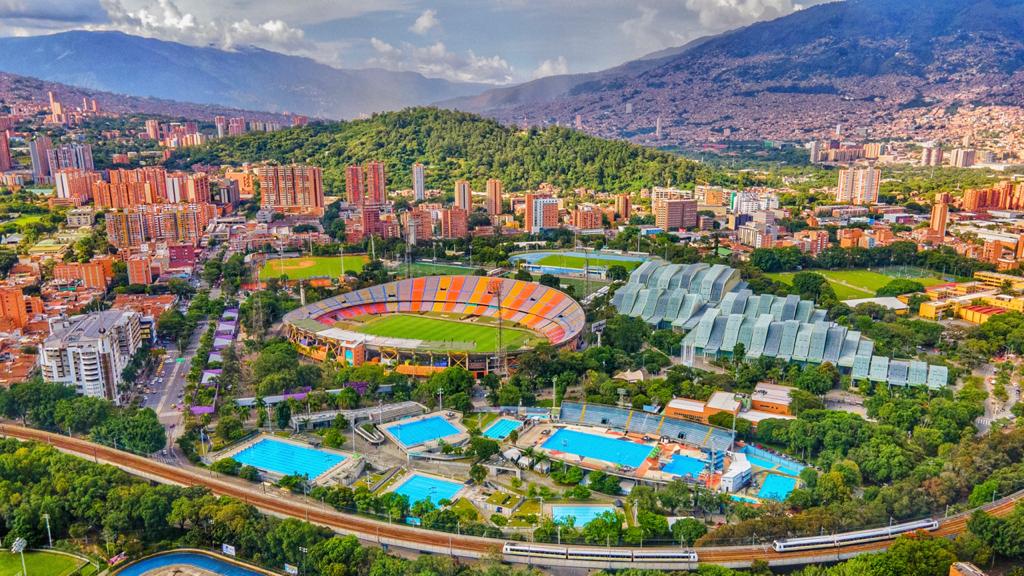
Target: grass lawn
<point x="481" y="420"/>
<point x="21" y="221"/>
<point x="311" y="267"/>
<point x="529" y="508"/>
<point x="427" y="269"/>
<point x="465" y="510"/>
<point x="853" y="284"/>
<point x="579" y="286"/>
<point x="471" y="336"/>
<point x="38" y="564"/>
<point x="578" y="263"/>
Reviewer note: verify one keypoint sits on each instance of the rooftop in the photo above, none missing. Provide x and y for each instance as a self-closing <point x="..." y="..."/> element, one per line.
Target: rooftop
<point x="84" y="327"/>
<point x="773" y="393"/>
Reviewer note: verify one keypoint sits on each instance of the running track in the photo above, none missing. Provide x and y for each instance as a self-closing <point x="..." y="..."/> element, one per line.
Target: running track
<point x="411" y="538"/>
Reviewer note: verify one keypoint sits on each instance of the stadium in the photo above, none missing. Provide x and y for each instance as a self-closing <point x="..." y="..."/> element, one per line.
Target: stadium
<point x="422" y="325"/>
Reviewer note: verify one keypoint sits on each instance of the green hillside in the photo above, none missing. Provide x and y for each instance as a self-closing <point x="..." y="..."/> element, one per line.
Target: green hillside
<point x="456" y="145"/>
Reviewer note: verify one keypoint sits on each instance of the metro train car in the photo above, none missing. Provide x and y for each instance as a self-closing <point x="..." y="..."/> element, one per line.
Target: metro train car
<point x="851" y="538"/>
<point x="534" y="550"/>
<point x="597" y="553"/>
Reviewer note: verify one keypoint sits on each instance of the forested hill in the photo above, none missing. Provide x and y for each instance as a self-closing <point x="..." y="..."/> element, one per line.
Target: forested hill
<point x="456" y="145"/>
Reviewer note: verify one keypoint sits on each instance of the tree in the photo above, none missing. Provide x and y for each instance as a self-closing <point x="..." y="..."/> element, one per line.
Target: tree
<point x="617" y="272"/>
<point x="138" y="431"/>
<point x="229" y="428"/>
<point x="483" y="448"/>
<point x="688" y="530"/>
<point x="477" y="473"/>
<point x="171" y="324"/>
<point x="282" y="414"/>
<point x="524" y="275"/>
<point x="626" y="333"/>
<point x="900" y="286"/>
<point x="550" y="280"/>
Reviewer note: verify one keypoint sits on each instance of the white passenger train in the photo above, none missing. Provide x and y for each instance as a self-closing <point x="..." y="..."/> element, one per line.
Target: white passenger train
<point x="852" y="538"/>
<point x="531" y="550"/>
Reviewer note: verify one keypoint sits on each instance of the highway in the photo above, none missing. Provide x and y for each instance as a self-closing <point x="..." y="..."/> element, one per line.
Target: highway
<point x="406" y="537"/>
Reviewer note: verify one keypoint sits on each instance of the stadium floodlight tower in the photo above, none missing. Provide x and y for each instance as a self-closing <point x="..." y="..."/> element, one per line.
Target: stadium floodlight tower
<point x="494" y="289"/>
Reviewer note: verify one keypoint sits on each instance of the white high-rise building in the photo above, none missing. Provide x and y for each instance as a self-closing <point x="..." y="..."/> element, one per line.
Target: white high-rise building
<point x="859" y="186"/>
<point x="418" y="179"/>
<point x="90" y="351"/>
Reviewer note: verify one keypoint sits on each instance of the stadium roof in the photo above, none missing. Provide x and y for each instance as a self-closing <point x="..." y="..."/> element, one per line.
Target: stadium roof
<point x="717" y="310"/>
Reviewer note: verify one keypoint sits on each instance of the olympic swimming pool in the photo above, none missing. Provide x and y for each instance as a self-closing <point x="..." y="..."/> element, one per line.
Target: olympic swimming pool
<point x="285" y="458"/>
<point x="621" y="452"/>
<point x="419" y="431"/>
<point x="418" y="487"/>
<point x="581" y="515"/>
<point x="502" y="428"/>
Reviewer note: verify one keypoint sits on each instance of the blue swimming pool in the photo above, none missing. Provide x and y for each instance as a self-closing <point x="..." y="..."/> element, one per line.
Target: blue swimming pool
<point x="776" y="487"/>
<point x="682" y="465"/>
<point x="420" y="431"/>
<point x="744" y="499"/>
<point x="502" y="428"/>
<point x="614" y="450"/>
<point x="581" y="515"/>
<point x="207" y="563"/>
<point x="418" y="487"/>
<point x="286" y="458"/>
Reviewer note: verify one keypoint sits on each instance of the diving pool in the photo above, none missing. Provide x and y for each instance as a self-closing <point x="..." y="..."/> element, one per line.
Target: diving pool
<point x="502" y="428"/>
<point x="682" y="465"/>
<point x="285" y="458"/>
<point x="776" y="487"/>
<point x="581" y="515"/>
<point x="202" y="561"/>
<point x="418" y="487"/>
<point x="419" y="431"/>
<point x="616" y="451"/>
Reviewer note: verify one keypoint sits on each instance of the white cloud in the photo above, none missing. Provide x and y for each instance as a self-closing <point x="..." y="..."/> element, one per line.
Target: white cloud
<point x="551" y="68"/>
<point x="719" y="15"/>
<point x="436" y="61"/>
<point x="165" y="20"/>
<point x="425" y="23"/>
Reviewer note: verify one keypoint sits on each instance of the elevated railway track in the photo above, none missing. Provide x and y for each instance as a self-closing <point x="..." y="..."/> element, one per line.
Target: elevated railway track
<point x="469" y="547"/>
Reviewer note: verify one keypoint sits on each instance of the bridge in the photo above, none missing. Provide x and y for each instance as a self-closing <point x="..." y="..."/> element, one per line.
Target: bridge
<point x="382" y="533"/>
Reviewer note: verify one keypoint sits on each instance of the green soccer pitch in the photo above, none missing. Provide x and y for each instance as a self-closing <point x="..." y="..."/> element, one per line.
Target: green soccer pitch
<point x="482" y="336"/>
<point x="305" y="267"/>
<point x="578" y="263"/>
<point x="38" y="564"/>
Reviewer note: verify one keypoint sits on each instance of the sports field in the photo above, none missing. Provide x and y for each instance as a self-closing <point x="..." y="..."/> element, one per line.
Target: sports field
<point x="38" y="564"/>
<point x="576" y="262"/>
<point x="430" y="269"/>
<point x="311" y="267"/>
<point x="467" y="336"/>
<point x="853" y="284"/>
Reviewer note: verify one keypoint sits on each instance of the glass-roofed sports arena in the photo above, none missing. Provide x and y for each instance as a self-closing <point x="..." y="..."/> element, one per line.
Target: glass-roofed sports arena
<point x="716" y="309"/>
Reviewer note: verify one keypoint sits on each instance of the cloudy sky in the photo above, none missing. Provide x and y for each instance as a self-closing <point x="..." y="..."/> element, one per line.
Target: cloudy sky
<point x="494" y="41"/>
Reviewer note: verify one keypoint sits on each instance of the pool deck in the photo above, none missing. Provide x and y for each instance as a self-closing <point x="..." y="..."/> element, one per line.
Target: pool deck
<point x="461" y="436"/>
<point x="345" y="471"/>
<point x="650" y="471"/>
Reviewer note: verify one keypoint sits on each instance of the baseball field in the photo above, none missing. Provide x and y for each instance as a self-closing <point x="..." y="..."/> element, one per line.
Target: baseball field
<point x="853" y="284"/>
<point x="305" y="267"/>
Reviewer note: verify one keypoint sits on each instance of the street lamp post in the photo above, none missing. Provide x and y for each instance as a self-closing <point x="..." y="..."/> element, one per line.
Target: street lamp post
<point x="19" y="548"/>
<point x="303" y="549"/>
<point x="49" y="536"/>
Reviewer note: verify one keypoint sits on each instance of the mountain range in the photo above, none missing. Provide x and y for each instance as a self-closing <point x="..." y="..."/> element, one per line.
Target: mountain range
<point x="858" y="63"/>
<point x="880" y="67"/>
<point x="249" y="78"/>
